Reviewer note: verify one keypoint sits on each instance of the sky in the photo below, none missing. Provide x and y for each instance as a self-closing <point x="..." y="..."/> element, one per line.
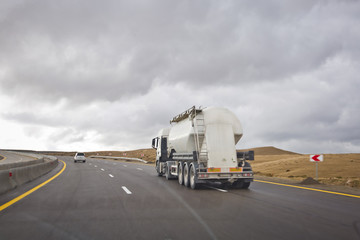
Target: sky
<point x="91" y="75"/>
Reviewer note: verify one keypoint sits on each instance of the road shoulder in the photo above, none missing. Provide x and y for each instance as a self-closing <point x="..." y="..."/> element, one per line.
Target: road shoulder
<point x="333" y="188"/>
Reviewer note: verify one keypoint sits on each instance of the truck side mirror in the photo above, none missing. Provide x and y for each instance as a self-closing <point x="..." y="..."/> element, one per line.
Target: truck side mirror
<point x="155" y="143"/>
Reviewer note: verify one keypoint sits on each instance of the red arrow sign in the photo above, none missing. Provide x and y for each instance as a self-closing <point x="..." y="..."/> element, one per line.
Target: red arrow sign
<point x="315" y="158"/>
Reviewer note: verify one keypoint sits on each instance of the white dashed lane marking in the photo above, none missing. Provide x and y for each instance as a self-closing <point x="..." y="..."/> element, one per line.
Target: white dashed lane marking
<point x="126" y="190"/>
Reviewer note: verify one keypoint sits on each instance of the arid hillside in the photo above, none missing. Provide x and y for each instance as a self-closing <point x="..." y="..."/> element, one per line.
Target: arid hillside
<point x="339" y="169"/>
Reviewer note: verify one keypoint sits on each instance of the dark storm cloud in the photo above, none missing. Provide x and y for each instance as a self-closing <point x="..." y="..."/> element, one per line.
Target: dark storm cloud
<point x="81" y="49"/>
<point x="132" y="65"/>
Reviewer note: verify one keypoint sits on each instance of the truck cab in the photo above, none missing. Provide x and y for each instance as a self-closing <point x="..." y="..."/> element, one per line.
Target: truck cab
<point x="160" y="144"/>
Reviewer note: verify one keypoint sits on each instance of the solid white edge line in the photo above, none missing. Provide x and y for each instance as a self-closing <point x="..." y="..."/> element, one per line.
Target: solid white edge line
<point x="126" y="190"/>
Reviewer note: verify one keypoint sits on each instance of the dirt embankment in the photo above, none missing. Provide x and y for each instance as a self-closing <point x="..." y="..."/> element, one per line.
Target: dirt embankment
<point x="337" y="169"/>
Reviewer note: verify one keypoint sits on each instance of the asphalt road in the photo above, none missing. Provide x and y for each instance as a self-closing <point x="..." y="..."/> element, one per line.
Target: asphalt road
<point x="103" y="199"/>
<point x="10" y="157"/>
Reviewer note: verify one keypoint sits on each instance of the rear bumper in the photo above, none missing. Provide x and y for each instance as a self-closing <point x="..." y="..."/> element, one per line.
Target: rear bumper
<point x="225" y="175"/>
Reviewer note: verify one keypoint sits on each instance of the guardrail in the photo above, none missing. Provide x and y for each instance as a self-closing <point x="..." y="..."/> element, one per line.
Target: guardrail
<point x="17" y="173"/>
<point x="123" y="158"/>
<point x="10" y="165"/>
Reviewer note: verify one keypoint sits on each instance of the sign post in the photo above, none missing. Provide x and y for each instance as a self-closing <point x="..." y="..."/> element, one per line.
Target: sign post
<point x="316" y="159"/>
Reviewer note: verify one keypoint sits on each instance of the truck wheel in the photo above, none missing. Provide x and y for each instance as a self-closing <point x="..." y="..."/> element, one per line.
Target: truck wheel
<point x="193" y="178"/>
<point x="241" y="184"/>
<point x="186" y="175"/>
<point x="181" y="173"/>
<point x="158" y="169"/>
<point x="238" y="184"/>
<point x="167" y="172"/>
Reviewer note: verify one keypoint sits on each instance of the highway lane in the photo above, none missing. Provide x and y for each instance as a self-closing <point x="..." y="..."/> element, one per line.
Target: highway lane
<point x="105" y="199"/>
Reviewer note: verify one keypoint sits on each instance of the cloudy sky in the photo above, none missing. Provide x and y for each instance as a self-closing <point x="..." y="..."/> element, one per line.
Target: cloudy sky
<point x="107" y="75"/>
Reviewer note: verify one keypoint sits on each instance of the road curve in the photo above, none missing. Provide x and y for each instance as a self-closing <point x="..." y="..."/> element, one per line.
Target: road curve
<point x="103" y="199"/>
<point x="11" y="157"/>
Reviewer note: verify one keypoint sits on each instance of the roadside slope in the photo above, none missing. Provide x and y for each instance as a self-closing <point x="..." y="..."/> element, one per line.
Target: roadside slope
<point x="338" y="169"/>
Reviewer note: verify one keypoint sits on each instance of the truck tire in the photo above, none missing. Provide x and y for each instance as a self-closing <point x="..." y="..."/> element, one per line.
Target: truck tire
<point x="167" y="172"/>
<point x="181" y="173"/>
<point x="241" y="184"/>
<point x="193" y="178"/>
<point x="158" y="169"/>
<point x="246" y="185"/>
<point x="238" y="184"/>
<point x="186" y="175"/>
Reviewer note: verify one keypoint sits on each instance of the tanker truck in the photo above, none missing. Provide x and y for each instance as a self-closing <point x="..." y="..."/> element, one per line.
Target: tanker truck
<point x="199" y="147"/>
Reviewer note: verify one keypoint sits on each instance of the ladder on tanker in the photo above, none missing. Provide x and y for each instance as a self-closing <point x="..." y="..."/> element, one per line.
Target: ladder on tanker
<point x="200" y="140"/>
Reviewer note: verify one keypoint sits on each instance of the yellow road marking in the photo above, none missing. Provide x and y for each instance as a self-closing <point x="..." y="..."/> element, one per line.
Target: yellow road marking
<point x="4" y="158"/>
<point x="311" y="189"/>
<point x="8" y="204"/>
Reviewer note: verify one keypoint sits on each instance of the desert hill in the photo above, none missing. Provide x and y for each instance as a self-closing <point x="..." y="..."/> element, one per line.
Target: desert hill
<point x="338" y="169"/>
<point x="268" y="151"/>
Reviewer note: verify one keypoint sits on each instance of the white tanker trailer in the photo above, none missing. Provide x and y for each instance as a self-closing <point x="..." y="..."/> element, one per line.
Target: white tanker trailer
<point x="199" y="147"/>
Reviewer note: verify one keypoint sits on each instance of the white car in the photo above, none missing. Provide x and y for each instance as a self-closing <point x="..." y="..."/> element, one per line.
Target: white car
<point x="79" y="157"/>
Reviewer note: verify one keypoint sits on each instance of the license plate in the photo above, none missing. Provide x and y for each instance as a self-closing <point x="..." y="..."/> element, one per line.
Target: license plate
<point x="224" y="175"/>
